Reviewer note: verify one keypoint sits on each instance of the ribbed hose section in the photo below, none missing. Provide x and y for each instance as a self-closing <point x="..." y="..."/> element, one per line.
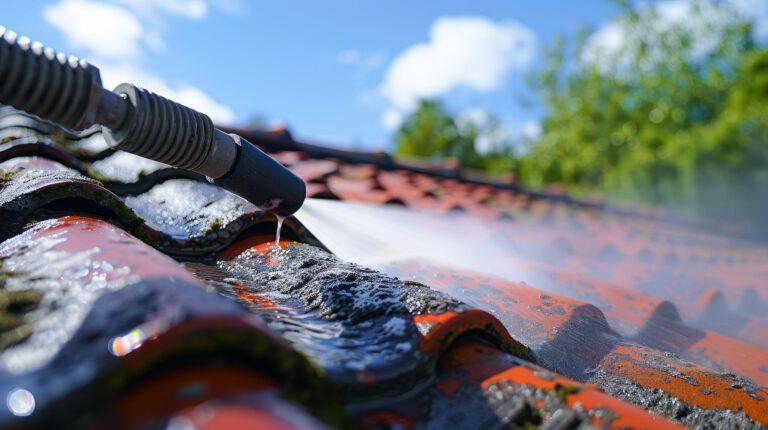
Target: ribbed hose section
<point x="37" y="80"/>
<point x="162" y="130"/>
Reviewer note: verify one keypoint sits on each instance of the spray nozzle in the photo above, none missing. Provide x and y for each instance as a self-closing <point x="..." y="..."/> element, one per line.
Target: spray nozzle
<point x="68" y="91"/>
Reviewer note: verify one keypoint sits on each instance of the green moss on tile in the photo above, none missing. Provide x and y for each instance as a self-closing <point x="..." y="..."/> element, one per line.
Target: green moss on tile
<point x="15" y="336"/>
<point x="19" y="301"/>
<point x="518" y="349"/>
<point x="7" y="176"/>
<point x="95" y="174"/>
<point x="9" y="322"/>
<point x="566" y="390"/>
<point x="13" y="304"/>
<point x="214" y="227"/>
<point x="61" y="140"/>
<point x="126" y="215"/>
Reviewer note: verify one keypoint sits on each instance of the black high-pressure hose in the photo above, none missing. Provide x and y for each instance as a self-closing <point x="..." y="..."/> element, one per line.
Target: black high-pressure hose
<point x="68" y="91"/>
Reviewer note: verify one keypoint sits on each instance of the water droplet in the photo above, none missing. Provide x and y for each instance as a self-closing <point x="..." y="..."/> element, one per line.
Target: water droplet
<point x="131" y="341"/>
<point x="123" y="345"/>
<point x="20" y="402"/>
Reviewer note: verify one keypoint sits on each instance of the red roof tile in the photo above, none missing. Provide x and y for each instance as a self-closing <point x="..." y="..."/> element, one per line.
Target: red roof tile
<point x="613" y="297"/>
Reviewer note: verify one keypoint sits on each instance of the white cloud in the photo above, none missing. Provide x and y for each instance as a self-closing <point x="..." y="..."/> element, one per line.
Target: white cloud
<point x="473" y="116"/>
<point x="154" y="15"/>
<point x="115" y="38"/>
<point x="231" y="7"/>
<point x="391" y="119"/>
<point x="476" y="53"/>
<point x="530" y="129"/>
<point x="154" y="41"/>
<point x="369" y="97"/>
<point x="363" y="63"/>
<point x="188" y="95"/>
<point x="190" y="9"/>
<point x="105" y="30"/>
<point x="605" y="42"/>
<point x="350" y="57"/>
<point x="119" y="30"/>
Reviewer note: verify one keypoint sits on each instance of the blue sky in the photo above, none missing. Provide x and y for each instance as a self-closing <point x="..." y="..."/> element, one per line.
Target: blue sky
<point x="336" y="72"/>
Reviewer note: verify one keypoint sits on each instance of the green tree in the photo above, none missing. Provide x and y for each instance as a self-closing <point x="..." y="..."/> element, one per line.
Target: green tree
<point x="433" y="133"/>
<point x="675" y="114"/>
<point x="430" y="132"/>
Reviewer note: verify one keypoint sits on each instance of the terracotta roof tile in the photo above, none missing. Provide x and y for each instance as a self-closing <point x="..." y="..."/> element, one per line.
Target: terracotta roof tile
<point x="755" y="329"/>
<point x="696" y="385"/>
<point x="112" y="310"/>
<point x="262" y="408"/>
<point x="314" y="170"/>
<point x="357" y="172"/>
<point x="632" y="301"/>
<point x="357" y="190"/>
<point x="499" y="387"/>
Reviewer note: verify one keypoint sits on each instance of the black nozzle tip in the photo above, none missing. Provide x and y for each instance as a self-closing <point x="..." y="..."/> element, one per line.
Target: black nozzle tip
<point x="263" y="181"/>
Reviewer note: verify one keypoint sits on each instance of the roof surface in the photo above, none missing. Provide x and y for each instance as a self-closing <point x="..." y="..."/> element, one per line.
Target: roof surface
<point x="138" y="295"/>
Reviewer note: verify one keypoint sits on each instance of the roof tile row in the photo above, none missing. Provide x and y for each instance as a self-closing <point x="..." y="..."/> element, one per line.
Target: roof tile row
<point x="609" y="312"/>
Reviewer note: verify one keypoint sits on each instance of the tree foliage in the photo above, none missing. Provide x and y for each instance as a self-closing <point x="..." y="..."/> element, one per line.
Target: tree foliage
<point x="675" y="114"/>
<point x="659" y="119"/>
<point x="433" y="133"/>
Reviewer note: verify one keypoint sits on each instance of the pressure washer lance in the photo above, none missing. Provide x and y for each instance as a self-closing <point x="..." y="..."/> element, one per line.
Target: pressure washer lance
<point x="68" y="92"/>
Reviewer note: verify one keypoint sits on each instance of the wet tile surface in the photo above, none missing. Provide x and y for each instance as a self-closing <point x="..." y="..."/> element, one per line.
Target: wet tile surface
<point x="624" y="319"/>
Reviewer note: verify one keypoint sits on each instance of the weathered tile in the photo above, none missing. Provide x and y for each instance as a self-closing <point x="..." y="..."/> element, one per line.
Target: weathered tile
<point x="110" y="312"/>
<point x="373" y="333"/>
